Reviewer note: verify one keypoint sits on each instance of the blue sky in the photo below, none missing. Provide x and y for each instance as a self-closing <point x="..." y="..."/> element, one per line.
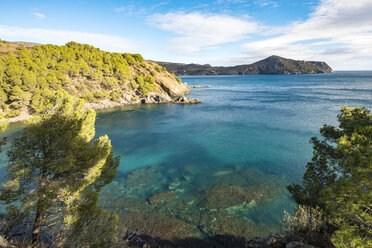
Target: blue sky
<point x="218" y="32"/>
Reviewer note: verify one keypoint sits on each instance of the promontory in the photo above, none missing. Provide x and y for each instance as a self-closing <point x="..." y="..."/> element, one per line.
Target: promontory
<point x="271" y="65"/>
<point x="30" y="74"/>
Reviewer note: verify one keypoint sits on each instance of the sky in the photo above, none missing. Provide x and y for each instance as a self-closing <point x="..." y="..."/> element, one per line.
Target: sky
<point x="217" y="32"/>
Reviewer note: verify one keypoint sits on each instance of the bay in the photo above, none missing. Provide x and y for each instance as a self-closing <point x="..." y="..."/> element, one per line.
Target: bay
<point x="221" y="167"/>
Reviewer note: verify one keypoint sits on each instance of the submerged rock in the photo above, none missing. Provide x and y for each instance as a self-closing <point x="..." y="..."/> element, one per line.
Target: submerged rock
<point x="223" y="197"/>
<point x="189" y="201"/>
<point x="174" y="185"/>
<point x="222" y="223"/>
<point x="222" y="172"/>
<point x="161" y="197"/>
<point x="157" y="224"/>
<point x="141" y="177"/>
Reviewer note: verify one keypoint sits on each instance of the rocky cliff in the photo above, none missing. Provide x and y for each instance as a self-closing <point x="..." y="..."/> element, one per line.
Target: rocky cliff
<point x="271" y="65"/>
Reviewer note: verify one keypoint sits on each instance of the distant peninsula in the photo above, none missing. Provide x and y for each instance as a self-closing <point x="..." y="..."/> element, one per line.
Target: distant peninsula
<point x="271" y="65"/>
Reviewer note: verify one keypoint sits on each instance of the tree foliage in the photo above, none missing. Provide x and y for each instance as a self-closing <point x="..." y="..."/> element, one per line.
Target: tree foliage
<point x="28" y="78"/>
<point x="56" y="169"/>
<point x="339" y="178"/>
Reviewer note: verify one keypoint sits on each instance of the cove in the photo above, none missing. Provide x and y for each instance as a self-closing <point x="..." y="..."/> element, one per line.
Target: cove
<point x="221" y="167"/>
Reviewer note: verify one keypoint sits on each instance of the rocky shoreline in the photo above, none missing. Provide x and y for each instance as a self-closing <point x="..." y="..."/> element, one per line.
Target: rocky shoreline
<point x="127" y="100"/>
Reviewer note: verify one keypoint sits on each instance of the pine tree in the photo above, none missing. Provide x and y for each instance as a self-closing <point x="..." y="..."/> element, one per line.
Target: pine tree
<point x="339" y="178"/>
<point x="56" y="168"/>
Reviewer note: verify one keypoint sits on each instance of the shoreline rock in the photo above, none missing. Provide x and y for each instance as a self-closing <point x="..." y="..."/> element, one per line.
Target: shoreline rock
<point x="185" y="100"/>
<point x="202" y="86"/>
<point x="127" y="100"/>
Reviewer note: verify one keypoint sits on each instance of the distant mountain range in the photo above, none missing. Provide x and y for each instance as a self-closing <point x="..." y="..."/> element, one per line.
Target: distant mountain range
<point x="271" y="65"/>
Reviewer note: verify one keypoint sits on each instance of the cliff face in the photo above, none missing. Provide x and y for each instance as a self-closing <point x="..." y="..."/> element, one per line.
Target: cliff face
<point x="271" y="65"/>
<point x="30" y="74"/>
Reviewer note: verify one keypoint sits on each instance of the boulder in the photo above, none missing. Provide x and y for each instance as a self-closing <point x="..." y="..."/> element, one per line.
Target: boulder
<point x="185" y="100"/>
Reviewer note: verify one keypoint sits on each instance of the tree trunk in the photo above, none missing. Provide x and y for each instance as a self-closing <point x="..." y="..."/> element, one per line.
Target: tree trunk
<point x="37" y="227"/>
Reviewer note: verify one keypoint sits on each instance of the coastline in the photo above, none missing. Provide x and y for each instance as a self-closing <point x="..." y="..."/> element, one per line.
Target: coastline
<point x="107" y="104"/>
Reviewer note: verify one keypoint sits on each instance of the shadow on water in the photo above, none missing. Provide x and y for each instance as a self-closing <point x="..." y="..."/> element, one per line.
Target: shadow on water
<point x="218" y="241"/>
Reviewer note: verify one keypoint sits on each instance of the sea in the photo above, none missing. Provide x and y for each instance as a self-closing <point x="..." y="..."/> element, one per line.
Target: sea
<point x="220" y="167"/>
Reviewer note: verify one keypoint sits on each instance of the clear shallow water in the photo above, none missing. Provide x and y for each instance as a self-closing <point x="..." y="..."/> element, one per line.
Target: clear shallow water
<point x="221" y="167"/>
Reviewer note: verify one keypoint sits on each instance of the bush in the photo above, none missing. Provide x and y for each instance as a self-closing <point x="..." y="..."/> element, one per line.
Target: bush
<point x="13" y="113"/>
<point x="115" y="96"/>
<point x="307" y="225"/>
<point x="145" y="85"/>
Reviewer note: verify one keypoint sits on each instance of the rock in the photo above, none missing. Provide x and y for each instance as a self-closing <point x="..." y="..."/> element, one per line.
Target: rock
<point x="173" y="87"/>
<point x="224" y="197"/>
<point x="221" y="223"/>
<point x="256" y="242"/>
<point x="174" y="185"/>
<point x="157" y="224"/>
<point x="148" y="180"/>
<point x="3" y="242"/>
<point x="185" y="100"/>
<point x="190" y="169"/>
<point x="162" y="98"/>
<point x="272" y="240"/>
<point x="202" y="86"/>
<point x="161" y="197"/>
<point x="222" y="172"/>
<point x="296" y="244"/>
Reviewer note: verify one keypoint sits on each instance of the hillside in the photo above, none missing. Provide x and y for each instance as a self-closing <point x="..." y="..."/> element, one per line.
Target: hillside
<point x="270" y="65"/>
<point x="31" y="73"/>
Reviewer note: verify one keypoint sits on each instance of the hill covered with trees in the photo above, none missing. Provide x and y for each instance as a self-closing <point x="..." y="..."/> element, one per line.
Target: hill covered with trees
<point x="271" y="65"/>
<point x="31" y="74"/>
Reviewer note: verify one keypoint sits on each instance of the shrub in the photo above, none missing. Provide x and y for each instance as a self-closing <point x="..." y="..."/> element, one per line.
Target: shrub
<point x="307" y="225"/>
<point x="13" y="113"/>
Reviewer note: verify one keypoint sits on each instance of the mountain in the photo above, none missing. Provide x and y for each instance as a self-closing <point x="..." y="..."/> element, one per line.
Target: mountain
<point x="31" y="73"/>
<point x="271" y="65"/>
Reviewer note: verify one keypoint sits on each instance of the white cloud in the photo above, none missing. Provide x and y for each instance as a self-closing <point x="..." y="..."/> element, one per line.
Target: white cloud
<point x="38" y="15"/>
<point x="60" y="37"/>
<point x="158" y="5"/>
<point x="266" y="3"/>
<point x="196" y="31"/>
<point x="120" y="9"/>
<point x="338" y="31"/>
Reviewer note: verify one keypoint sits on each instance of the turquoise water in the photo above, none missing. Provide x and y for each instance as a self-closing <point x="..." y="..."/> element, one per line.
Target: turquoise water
<point x="221" y="167"/>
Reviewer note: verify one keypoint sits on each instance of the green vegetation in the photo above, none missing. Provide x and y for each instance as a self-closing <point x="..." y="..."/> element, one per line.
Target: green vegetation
<point x="271" y="65"/>
<point x="338" y="179"/>
<point x="145" y="84"/>
<point x="55" y="173"/>
<point x="31" y="76"/>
